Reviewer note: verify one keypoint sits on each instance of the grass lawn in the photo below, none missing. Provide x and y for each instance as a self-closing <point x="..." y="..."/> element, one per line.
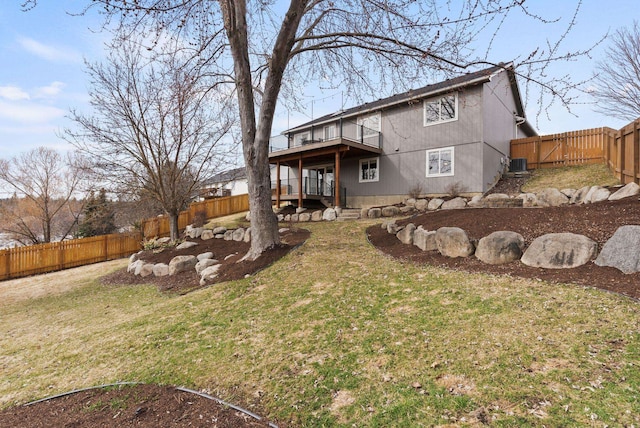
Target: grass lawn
<point x="570" y="177"/>
<point x="337" y="334"/>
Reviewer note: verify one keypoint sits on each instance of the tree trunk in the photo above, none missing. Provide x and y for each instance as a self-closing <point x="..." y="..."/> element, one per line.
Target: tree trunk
<point x="174" y="232"/>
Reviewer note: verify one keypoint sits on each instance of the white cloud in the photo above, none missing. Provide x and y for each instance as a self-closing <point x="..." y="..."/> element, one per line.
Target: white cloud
<point x="13" y="93"/>
<point x="49" y="91"/>
<point x="48" y="52"/>
<point x="29" y="113"/>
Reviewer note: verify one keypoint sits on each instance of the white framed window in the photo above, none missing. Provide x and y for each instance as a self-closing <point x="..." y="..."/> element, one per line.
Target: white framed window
<point x="441" y="110"/>
<point x="369" y="126"/>
<point x="302" y="138"/>
<point x="329" y="132"/>
<point x="369" y="170"/>
<point x="440" y="162"/>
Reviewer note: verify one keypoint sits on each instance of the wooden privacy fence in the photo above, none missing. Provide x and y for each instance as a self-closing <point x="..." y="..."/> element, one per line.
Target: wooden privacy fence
<point x="42" y="258"/>
<point x="569" y="148"/>
<point x="620" y="150"/>
<point x="210" y="208"/>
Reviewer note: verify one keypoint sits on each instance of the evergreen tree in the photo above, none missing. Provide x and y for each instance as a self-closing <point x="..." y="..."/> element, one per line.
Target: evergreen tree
<point x="98" y="216"/>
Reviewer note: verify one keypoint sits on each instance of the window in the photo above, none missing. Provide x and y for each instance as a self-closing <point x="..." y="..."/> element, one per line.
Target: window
<point x="440" y="162"/>
<point x="440" y="110"/>
<point x="300" y="139"/>
<point x="369" y="126"/>
<point x="329" y="132"/>
<point x="369" y="170"/>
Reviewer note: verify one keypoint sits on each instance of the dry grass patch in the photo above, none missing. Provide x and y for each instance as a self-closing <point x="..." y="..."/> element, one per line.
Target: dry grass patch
<point x="570" y="177"/>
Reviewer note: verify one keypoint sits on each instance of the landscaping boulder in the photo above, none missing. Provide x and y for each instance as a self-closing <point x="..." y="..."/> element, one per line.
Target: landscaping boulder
<point x="181" y="264"/>
<point x="560" y="251"/>
<point x="185" y="245"/>
<point x="203" y="264"/>
<point x="600" y="195"/>
<point x="316" y="215"/>
<point x="135" y="257"/>
<point x="228" y="235"/>
<point x="238" y="234"/>
<point x="374" y="213"/>
<point x="579" y="195"/>
<point x="220" y="230"/>
<point x="193" y="232"/>
<point x="622" y="250"/>
<point x="329" y="214"/>
<point x="497" y="196"/>
<point x="421" y="204"/>
<point x="406" y="209"/>
<point x="145" y="270"/>
<point x="475" y="201"/>
<point x="304" y="217"/>
<point x="425" y="240"/>
<point x="528" y="199"/>
<point x="551" y="197"/>
<point x="589" y="195"/>
<point x="500" y="247"/>
<point x="390" y="211"/>
<point x="160" y="269"/>
<point x="406" y="234"/>
<point x="435" y="204"/>
<point x="453" y="242"/>
<point x="207" y="234"/>
<point x="209" y="274"/>
<point x="134" y="265"/>
<point x="393" y="228"/>
<point x="568" y="193"/>
<point x="453" y="204"/>
<point x="410" y="202"/>
<point x="203" y="256"/>
<point x="631" y="189"/>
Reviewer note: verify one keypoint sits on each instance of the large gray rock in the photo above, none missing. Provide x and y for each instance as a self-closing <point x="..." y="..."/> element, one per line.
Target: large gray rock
<point x="304" y="217"/>
<point x="374" y="213"/>
<point x="600" y="195"/>
<point x="589" y="195"/>
<point x="453" y="242"/>
<point x="203" y="256"/>
<point x="622" y="250"/>
<point x="238" y="234"/>
<point x="329" y="214"/>
<point x="425" y="240"/>
<point x="569" y="193"/>
<point x="453" y="204"/>
<point x="476" y="201"/>
<point x="209" y="274"/>
<point x="228" y="235"/>
<point x="145" y="270"/>
<point x="133" y="266"/>
<point x="421" y="204"/>
<point x="500" y="247"/>
<point x="316" y="215"/>
<point x="560" y="251"/>
<point x="528" y="199"/>
<point x="390" y="211"/>
<point x="579" y="195"/>
<point x="406" y="234"/>
<point x="185" y="245"/>
<point x="410" y="202"/>
<point x="207" y="234"/>
<point x="193" y="232"/>
<point x="295" y="217"/>
<point x="631" y="189"/>
<point x="160" y="269"/>
<point x="220" y="230"/>
<point x="393" y="228"/>
<point x="182" y="264"/>
<point x="551" y="197"/>
<point x="203" y="264"/>
<point x="435" y="204"/>
<point x="135" y="257"/>
<point x="497" y="196"/>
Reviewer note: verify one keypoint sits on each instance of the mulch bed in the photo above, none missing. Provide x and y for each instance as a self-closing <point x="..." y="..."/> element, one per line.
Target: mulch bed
<point x="146" y="406"/>
<point x="231" y="269"/>
<point x="597" y="221"/>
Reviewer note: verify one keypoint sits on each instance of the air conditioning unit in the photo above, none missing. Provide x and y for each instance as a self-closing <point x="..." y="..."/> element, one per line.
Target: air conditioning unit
<point x="518" y="165"/>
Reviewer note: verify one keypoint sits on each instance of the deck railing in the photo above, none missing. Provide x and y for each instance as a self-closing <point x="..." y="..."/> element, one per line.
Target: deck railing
<point x="344" y="130"/>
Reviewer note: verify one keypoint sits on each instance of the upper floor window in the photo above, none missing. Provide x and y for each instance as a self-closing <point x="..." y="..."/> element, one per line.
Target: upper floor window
<point x="369" y="126"/>
<point x="441" y="109"/>
<point x="440" y="162"/>
<point x="302" y="138"/>
<point x="329" y="132"/>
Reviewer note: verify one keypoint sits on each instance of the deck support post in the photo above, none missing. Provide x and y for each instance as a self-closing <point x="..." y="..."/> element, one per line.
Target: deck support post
<point x="278" y="184"/>
<point x="336" y="198"/>
<point x="300" y="190"/>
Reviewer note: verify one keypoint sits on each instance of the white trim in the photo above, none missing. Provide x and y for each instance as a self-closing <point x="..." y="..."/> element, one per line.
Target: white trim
<point x="439" y="101"/>
<point x="439" y="152"/>
<point x="377" y="173"/>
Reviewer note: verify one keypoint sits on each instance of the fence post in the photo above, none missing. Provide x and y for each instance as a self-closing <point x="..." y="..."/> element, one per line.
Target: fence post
<point x="636" y="158"/>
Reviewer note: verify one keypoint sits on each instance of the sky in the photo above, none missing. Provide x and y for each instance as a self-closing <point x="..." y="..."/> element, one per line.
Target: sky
<point x="43" y="52"/>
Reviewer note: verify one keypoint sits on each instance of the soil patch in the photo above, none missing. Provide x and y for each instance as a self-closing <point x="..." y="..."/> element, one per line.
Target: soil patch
<point x="231" y="268"/>
<point x="142" y="406"/>
<point x="597" y="221"/>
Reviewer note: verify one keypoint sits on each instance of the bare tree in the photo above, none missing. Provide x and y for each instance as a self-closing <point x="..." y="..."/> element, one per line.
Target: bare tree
<point x="617" y="76"/>
<point x="44" y="185"/>
<point x="268" y="48"/>
<point x="157" y="126"/>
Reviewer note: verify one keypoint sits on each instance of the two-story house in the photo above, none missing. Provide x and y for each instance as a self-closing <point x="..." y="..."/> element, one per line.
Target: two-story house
<point x="450" y="135"/>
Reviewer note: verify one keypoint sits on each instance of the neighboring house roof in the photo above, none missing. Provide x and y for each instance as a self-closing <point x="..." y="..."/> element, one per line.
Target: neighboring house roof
<point x="228" y="176"/>
<point x="465" y="80"/>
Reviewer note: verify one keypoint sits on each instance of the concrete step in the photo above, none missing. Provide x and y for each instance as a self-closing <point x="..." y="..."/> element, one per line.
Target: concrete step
<point x="349" y="214"/>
